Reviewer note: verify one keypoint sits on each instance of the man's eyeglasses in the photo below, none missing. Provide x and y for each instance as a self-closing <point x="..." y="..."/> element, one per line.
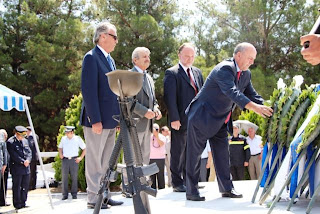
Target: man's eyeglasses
<point x="113" y="36"/>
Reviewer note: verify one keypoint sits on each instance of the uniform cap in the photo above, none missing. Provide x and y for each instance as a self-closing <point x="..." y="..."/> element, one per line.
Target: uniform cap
<point x="29" y="128"/>
<point x="69" y="128"/>
<point x="20" y="129"/>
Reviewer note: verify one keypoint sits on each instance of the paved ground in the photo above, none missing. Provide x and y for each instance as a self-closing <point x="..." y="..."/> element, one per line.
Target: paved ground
<point x="166" y="202"/>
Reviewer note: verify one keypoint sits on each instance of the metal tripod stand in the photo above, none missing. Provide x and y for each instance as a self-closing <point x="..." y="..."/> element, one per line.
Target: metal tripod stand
<point x="126" y="84"/>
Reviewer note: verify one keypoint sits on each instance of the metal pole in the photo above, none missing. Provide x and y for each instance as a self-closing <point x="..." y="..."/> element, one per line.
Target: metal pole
<point x="261" y="173"/>
<point x="304" y="151"/>
<point x="38" y="151"/>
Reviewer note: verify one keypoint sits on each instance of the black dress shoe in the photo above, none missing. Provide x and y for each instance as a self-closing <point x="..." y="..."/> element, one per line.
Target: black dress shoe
<point x="64" y="198"/>
<point x="74" y="197"/>
<point x="232" y="194"/>
<point x="195" y="198"/>
<point x="4" y="205"/>
<point x="91" y="206"/>
<point x="112" y="202"/>
<point x="181" y="188"/>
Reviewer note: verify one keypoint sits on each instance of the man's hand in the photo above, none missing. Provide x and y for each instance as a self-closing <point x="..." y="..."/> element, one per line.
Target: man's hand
<point x="61" y="156"/>
<point x="158" y="114"/>
<point x="150" y="114"/>
<point x="3" y="169"/>
<point x="312" y="53"/>
<point x="26" y="163"/>
<point x="78" y="159"/>
<point x="246" y="164"/>
<point x="262" y="110"/>
<point x="176" y="124"/>
<point x="97" y="128"/>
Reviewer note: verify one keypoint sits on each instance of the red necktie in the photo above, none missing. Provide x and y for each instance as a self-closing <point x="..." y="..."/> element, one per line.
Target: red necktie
<point x="192" y="82"/>
<point x="229" y="115"/>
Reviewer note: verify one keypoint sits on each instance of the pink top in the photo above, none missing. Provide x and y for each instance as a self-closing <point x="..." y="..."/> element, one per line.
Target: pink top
<point x="157" y="151"/>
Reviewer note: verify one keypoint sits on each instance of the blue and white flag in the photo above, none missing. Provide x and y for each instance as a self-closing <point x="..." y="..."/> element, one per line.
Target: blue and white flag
<point x="10" y="99"/>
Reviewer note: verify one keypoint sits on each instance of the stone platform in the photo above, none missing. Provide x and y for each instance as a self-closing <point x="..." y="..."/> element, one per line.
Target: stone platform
<point x="166" y="202"/>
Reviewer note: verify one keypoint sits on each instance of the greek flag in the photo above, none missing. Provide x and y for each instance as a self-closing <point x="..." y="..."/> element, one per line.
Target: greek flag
<point x="10" y="99"/>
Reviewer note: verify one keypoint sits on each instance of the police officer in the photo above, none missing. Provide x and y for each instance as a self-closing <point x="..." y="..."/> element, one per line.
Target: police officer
<point x="20" y="158"/>
<point x="239" y="154"/>
<point x="69" y="152"/>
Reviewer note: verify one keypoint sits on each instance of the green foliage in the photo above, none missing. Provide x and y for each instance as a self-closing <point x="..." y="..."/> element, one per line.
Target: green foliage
<point x="42" y="46"/>
<point x="254" y="118"/>
<point x="311" y="131"/>
<point x="307" y="93"/>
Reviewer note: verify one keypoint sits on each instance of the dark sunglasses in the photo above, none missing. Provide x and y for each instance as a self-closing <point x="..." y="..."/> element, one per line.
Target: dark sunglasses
<point x="113" y="36"/>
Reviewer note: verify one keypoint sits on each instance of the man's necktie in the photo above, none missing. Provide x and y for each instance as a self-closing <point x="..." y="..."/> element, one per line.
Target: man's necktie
<point x="192" y="82"/>
<point x="229" y="115"/>
<point x="110" y="62"/>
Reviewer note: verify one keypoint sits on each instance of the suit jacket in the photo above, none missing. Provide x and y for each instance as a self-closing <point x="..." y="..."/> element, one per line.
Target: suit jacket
<point x="221" y="91"/>
<point x="19" y="152"/>
<point x="146" y="99"/>
<point x="99" y="102"/>
<point x="178" y="92"/>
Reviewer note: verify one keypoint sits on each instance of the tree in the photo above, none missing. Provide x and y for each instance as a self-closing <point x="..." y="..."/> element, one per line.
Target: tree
<point x="273" y="27"/>
<point x="42" y="45"/>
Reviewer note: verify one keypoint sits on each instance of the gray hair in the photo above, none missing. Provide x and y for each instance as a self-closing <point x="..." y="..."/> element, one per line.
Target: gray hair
<point x="137" y="51"/>
<point x="3" y="135"/>
<point x="103" y="27"/>
<point x="241" y="47"/>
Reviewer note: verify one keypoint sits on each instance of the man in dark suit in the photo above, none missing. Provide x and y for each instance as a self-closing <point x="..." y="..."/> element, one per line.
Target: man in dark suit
<point x="146" y="107"/>
<point x="181" y="84"/>
<point x="33" y="164"/>
<point x="20" y="158"/>
<point x="209" y="117"/>
<point x="98" y="106"/>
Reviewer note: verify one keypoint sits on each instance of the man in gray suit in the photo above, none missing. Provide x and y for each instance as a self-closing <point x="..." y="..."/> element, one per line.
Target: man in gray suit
<point x="146" y="108"/>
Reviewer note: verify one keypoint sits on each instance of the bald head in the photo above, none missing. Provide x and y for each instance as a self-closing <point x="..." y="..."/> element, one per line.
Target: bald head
<point x="244" y="54"/>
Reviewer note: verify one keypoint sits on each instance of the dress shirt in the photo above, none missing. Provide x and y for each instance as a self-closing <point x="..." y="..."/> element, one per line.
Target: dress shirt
<point x="255" y="144"/>
<point x="103" y="51"/>
<point x="191" y="73"/>
<point x="70" y="147"/>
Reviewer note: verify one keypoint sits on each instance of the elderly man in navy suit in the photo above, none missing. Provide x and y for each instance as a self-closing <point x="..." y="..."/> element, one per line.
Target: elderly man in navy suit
<point x="181" y="84"/>
<point x="98" y="106"/>
<point x="209" y="117"/>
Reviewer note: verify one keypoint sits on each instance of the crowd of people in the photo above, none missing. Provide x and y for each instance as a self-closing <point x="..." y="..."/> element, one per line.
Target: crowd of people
<point x="199" y="120"/>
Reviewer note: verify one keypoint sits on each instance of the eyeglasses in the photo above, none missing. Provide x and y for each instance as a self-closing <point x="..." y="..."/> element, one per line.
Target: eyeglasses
<point x="113" y="36"/>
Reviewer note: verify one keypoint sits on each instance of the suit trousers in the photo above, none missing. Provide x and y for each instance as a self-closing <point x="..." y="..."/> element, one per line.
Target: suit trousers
<point x="158" y="179"/>
<point x="20" y="185"/>
<point x="254" y="167"/>
<point x="33" y="175"/>
<point x="3" y="184"/>
<point x="237" y="172"/>
<point x="167" y="165"/>
<point x="178" y="157"/>
<point x="144" y="140"/>
<point x="220" y="151"/>
<point x="98" y="151"/>
<point x="203" y="170"/>
<point x="69" y="166"/>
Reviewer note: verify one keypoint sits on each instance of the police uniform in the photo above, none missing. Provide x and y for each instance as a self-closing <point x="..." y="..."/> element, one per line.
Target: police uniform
<point x="70" y="151"/>
<point x="20" y="152"/>
<point x="239" y="153"/>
